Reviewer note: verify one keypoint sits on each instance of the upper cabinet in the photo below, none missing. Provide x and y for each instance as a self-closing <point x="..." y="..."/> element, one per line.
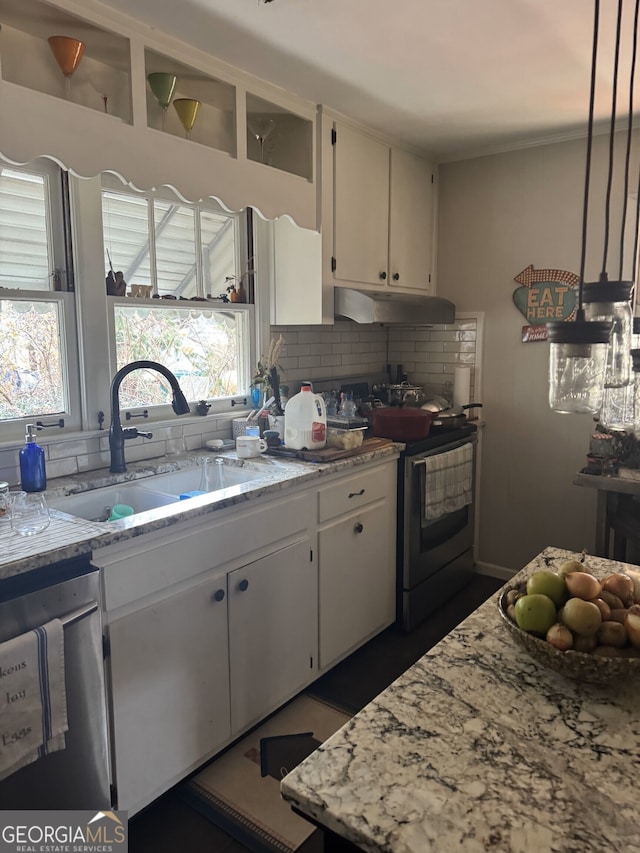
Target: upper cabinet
<point x="146" y="106"/>
<point x="378" y="212"/>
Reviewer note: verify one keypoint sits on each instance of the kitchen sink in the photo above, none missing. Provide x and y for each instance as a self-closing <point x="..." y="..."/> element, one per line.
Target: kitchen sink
<point x="190" y="479"/>
<point x="96" y="505"/>
<point x="152" y="492"/>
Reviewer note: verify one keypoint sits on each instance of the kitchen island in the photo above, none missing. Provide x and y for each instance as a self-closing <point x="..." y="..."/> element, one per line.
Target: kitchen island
<point x="477" y="747"/>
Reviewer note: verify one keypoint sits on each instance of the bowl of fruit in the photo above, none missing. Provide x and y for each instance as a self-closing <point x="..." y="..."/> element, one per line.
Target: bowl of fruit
<point x="585" y="627"/>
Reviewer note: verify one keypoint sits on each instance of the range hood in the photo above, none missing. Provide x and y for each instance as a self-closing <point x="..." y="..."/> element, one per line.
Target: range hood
<point x="366" y="306"/>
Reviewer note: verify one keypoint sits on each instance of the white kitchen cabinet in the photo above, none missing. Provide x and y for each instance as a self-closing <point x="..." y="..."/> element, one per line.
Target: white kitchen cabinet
<point x="169" y="689"/>
<point x="383" y="214"/>
<point x="214" y="623"/>
<point x="272" y="631"/>
<point x="169" y="619"/>
<point x="356" y="561"/>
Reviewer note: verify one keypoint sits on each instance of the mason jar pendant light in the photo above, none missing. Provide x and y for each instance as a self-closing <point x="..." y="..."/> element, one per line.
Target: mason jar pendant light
<point x="605" y="301"/>
<point x="578" y="350"/>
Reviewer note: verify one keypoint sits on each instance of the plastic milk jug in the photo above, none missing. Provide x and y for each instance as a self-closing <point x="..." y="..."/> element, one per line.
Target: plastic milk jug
<point x="305" y="420"/>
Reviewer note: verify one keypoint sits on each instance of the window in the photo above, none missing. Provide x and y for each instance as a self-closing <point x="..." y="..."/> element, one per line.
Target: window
<point x="37" y="324"/>
<point x="183" y="253"/>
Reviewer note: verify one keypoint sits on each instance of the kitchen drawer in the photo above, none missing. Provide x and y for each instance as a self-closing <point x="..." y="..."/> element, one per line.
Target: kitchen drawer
<point x="350" y="493"/>
<point x="154" y="562"/>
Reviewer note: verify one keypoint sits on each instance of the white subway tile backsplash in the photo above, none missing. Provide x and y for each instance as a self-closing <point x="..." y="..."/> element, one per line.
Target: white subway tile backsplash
<point x="62" y="467"/>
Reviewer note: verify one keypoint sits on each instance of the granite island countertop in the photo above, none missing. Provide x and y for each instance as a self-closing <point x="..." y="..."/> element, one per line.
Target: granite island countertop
<point x="69" y="536"/>
<point x="477" y="747"/>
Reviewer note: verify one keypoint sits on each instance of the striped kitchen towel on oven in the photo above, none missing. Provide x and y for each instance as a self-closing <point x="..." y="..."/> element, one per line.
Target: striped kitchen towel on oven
<point x="448" y="481"/>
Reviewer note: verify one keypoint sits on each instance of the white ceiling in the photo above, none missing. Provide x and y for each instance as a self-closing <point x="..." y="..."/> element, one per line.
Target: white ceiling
<point x="453" y="77"/>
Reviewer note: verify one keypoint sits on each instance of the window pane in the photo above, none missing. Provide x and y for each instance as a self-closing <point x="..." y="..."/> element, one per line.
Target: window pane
<point x="201" y="347"/>
<point x="175" y="249"/>
<point x="125" y="222"/>
<point x="30" y="355"/>
<point x="218" y="251"/>
<point x="24" y="254"/>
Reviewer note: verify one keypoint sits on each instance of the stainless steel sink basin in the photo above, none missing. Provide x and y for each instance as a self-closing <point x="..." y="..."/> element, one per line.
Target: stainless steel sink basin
<point x="96" y="505"/>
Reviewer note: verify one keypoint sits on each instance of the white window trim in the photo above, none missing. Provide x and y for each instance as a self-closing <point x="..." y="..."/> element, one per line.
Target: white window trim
<point x="11" y="430"/>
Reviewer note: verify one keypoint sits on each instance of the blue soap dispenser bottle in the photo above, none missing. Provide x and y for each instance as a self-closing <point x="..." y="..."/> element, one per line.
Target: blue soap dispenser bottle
<point x="33" y="475"/>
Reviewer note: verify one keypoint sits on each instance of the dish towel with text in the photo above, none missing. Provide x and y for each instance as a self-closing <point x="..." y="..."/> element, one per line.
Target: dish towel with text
<point x="448" y="480"/>
<point x="33" y="698"/>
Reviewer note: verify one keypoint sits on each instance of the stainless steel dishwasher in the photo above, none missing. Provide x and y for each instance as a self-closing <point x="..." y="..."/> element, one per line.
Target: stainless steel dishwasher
<point x="78" y="776"/>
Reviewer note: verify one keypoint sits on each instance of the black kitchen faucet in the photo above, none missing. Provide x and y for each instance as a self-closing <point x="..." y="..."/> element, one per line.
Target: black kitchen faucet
<point x="117" y="435"/>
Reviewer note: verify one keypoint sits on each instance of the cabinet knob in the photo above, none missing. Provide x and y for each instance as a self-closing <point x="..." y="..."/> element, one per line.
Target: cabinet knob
<point x="359" y="527"/>
<point x="219" y="595"/>
<point x="243" y="585"/>
<point x="383" y="275"/>
<point x="396" y="276"/>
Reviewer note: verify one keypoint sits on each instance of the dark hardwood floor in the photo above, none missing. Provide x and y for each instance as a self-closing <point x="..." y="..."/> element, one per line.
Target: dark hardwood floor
<point x="169" y="825"/>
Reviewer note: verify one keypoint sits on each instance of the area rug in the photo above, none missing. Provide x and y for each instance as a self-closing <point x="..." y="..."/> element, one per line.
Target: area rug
<point x="240" y="790"/>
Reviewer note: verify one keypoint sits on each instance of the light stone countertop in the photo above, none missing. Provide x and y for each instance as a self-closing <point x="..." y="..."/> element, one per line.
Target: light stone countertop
<point x="69" y="536"/>
<point x="477" y="748"/>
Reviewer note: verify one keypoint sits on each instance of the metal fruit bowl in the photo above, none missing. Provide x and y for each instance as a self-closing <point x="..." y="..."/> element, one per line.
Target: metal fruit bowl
<point x="578" y="666"/>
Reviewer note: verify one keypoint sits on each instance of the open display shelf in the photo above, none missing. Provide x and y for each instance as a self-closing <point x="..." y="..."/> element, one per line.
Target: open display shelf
<point x="102" y="80"/>
<point x="215" y="123"/>
<point x="279" y="138"/>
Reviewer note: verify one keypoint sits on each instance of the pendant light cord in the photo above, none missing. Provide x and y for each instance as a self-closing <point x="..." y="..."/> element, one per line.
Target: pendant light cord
<point x="585" y="209"/>
<point x="612" y="129"/>
<point x="628" y="151"/>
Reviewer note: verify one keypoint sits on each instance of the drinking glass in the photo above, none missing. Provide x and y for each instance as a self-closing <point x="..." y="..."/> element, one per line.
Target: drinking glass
<point x="29" y="513"/>
<point x="162" y="85"/>
<point x="67" y="52"/>
<point x="187" y="109"/>
<point x="261" y="129"/>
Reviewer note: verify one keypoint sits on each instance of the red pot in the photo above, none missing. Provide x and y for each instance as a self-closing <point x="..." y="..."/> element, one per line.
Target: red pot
<point x="401" y="424"/>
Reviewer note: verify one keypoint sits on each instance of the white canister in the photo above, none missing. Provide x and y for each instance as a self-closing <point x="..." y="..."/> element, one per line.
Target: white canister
<point x="305" y="420"/>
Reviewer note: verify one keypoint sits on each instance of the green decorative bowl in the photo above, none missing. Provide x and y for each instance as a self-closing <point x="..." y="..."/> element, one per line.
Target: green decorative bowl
<point x="578" y="666"/>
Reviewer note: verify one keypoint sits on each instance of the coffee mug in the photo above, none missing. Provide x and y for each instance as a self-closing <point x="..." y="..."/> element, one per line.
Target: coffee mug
<point x="248" y="446"/>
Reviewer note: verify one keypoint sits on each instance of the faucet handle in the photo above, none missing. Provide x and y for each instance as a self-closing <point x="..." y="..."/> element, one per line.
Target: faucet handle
<point x="143" y="434"/>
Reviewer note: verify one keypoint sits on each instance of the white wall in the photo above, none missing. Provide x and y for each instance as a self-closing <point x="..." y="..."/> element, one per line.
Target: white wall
<point x="499" y="214"/>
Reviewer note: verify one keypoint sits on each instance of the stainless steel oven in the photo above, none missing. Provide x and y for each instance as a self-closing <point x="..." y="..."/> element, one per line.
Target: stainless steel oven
<point x="434" y="559"/>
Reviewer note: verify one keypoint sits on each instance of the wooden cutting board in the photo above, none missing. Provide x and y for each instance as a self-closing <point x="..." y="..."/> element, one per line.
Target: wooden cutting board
<point x="332" y="454"/>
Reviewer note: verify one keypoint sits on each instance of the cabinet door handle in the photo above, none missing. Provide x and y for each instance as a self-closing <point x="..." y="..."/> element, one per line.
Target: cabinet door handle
<point x="243" y="585"/>
<point x="396" y="276"/>
<point x="219" y="595"/>
<point x="359" y="527"/>
<point x="383" y="275"/>
<point x="356" y="494"/>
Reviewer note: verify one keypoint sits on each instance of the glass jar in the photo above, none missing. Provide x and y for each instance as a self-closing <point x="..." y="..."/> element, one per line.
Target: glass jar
<point x="635" y="360"/>
<point x="610" y="301"/>
<point x="5" y="499"/>
<point x="577" y="361"/>
<point x="618" y="407"/>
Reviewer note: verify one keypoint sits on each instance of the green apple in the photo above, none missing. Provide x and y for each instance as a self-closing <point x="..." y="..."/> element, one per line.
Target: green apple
<point x="535" y="613"/>
<point x="548" y="583"/>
